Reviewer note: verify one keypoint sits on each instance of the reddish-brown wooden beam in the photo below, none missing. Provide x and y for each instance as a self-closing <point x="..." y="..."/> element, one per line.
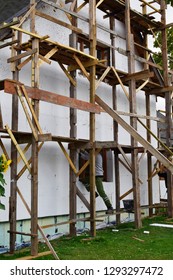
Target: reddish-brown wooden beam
<point x="47" y="96"/>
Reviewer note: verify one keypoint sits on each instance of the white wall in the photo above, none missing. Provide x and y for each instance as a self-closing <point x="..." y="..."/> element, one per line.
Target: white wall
<point x="53" y="167"/>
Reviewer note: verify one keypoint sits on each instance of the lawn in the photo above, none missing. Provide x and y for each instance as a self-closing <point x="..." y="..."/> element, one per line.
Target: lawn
<point x="123" y="242"/>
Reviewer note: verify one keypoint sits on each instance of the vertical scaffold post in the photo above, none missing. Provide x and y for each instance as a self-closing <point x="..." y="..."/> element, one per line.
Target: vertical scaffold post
<point x="14" y="126"/>
<point x="148" y="123"/>
<point x="168" y="100"/>
<point x="115" y="126"/>
<point x="34" y="150"/>
<point x="92" y="37"/>
<point x="133" y="121"/>
<point x="73" y="134"/>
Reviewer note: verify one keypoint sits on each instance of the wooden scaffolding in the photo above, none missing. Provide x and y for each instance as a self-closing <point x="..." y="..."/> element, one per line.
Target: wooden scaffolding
<point x="40" y="49"/>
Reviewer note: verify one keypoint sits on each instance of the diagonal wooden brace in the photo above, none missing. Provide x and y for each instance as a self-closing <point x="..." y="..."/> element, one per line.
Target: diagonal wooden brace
<point x="18" y="148"/>
<point x="26" y="112"/>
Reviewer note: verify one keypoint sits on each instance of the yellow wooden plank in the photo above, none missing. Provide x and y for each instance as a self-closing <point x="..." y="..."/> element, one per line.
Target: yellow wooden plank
<point x="27" y="113"/>
<point x="31" y="109"/>
<point x="18" y="148"/>
<point x="34" y="257"/>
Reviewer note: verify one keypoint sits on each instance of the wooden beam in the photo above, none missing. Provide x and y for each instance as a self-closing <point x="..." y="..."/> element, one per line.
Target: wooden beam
<point x="26" y="113"/>
<point x="22" y="55"/>
<point x="86" y="64"/>
<point x="18" y="148"/>
<point x="135" y="134"/>
<point x="39" y="227"/>
<point x="70" y="49"/>
<point x="27" y="14"/>
<point x="23" y="63"/>
<point x="31" y="110"/>
<point x="22" y="233"/>
<point x="38" y="94"/>
<point x="42" y="254"/>
<point x="67" y="157"/>
<point x="126" y="193"/>
<point x="68" y="74"/>
<point x="145" y="74"/>
<point x="60" y="22"/>
<point x="9" y="44"/>
<point x="103" y="76"/>
<point x="7" y="25"/>
<point x="160" y="90"/>
<point x="48" y="55"/>
<point x="81" y="66"/>
<point x="119" y="79"/>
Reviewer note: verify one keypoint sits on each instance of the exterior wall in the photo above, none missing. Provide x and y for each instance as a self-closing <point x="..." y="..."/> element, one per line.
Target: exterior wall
<point x="53" y="166"/>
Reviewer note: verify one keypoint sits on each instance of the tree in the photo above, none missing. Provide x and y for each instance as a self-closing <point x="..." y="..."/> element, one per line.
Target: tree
<point x="158" y="41"/>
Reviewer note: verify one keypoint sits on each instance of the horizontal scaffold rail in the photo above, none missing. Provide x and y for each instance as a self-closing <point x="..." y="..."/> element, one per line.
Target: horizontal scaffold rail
<point x="9" y="86"/>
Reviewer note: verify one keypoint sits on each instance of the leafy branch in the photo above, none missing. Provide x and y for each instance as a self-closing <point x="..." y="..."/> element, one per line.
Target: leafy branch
<point x="4" y="164"/>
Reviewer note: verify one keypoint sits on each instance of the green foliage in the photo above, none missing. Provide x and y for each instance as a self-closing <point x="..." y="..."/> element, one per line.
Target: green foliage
<point x="2" y="190"/>
<point x="157" y="44"/>
<point x="4" y="164"/>
<point x="169" y="2"/>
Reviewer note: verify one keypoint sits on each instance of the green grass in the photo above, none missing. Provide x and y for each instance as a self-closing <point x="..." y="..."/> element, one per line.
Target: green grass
<point x="126" y="244"/>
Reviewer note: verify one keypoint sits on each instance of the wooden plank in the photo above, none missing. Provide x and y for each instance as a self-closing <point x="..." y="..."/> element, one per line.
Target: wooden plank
<point x="115" y="126"/>
<point x="81" y="66"/>
<point x="9" y="44"/>
<point x="29" y="161"/>
<point x="151" y="6"/>
<point x="73" y="189"/>
<point x="31" y="110"/>
<point x="48" y="55"/>
<point x="22" y="233"/>
<point x="22" y="55"/>
<point x="98" y="4"/>
<point x="92" y="38"/>
<point x="23" y="63"/>
<point x="133" y="121"/>
<point x="126" y="193"/>
<point x="135" y="134"/>
<point x="42" y="254"/>
<point x="38" y="94"/>
<point x="67" y="74"/>
<point x="72" y="50"/>
<point x="18" y="148"/>
<point x="24" y="151"/>
<point x="142" y="86"/>
<point x="13" y="156"/>
<point x="7" y="25"/>
<point x="158" y="140"/>
<point x="103" y="76"/>
<point x="39" y="228"/>
<point x="123" y="87"/>
<point x="60" y="22"/>
<point x="26" y="112"/>
<point x="86" y="164"/>
<point x="22" y="20"/>
<point x="86" y="64"/>
<point x="161" y="90"/>
<point x="67" y="157"/>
